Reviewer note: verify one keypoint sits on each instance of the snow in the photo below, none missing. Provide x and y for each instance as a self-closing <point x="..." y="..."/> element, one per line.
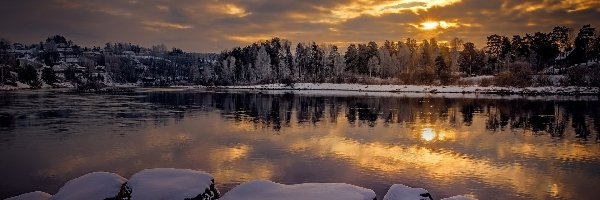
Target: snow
<point x="96" y="185"/>
<point x="19" y="86"/>
<point x="421" y="88"/>
<point x="164" y="184"/>
<point x="459" y="197"/>
<point x="37" y="195"/>
<point x="477" y="79"/>
<point x="403" y="192"/>
<point x="268" y="190"/>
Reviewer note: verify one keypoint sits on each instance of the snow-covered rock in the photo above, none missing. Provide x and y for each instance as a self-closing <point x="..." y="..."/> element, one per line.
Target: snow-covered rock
<point x="37" y="195"/>
<point x="403" y="192"/>
<point x="459" y="197"/>
<point x="172" y="184"/>
<point x="268" y="190"/>
<point x="96" y="185"/>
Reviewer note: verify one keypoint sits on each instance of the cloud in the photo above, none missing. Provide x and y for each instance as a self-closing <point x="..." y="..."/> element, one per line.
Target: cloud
<point x="166" y="25"/>
<point x="214" y="25"/>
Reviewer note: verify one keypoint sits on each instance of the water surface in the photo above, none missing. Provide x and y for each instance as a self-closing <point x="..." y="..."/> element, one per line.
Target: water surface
<point x="490" y="148"/>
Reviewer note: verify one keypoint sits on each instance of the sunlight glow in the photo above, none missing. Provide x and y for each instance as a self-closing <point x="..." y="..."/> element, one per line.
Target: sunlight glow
<point x="358" y="8"/>
<point x="427" y="134"/>
<point x="432" y="25"/>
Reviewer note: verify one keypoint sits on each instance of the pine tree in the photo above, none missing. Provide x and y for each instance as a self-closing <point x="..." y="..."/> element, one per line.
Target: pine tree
<point x="583" y="43"/>
<point x="351" y="58"/>
<point x="442" y="70"/>
<point x="470" y="60"/>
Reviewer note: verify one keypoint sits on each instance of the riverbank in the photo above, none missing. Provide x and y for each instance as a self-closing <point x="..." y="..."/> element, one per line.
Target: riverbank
<point x="342" y="87"/>
<point x="553" y="90"/>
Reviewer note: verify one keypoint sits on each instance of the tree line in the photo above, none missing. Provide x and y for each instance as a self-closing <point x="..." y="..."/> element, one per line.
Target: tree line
<point x="416" y="62"/>
<point x="519" y="60"/>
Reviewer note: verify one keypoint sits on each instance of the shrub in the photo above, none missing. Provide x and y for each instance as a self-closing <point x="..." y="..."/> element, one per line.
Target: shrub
<point x="584" y="76"/>
<point x="486" y="82"/>
<point x="543" y="80"/>
<point x="517" y="76"/>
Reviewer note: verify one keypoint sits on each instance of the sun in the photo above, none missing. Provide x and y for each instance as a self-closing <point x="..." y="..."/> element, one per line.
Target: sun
<point x="429" y="25"/>
<point x="432" y="25"/>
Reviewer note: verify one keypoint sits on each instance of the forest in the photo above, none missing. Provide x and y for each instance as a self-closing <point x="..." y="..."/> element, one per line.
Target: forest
<point x="561" y="57"/>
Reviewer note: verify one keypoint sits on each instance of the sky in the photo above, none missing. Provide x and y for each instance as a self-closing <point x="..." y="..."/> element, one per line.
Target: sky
<point x="216" y="25"/>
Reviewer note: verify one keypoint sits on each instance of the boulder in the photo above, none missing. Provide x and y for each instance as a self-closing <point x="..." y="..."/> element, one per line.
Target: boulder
<point x="459" y="197"/>
<point x="96" y="185"/>
<point x="172" y="184"/>
<point x="37" y="195"/>
<point x="268" y="190"/>
<point x="403" y="192"/>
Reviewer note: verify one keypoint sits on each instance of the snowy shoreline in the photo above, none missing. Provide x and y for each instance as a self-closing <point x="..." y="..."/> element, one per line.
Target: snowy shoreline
<point x="179" y="184"/>
<point x="340" y="88"/>
<point x="570" y="90"/>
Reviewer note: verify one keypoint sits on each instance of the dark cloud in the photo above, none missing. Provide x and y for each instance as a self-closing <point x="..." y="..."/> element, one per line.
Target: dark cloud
<point x="213" y="25"/>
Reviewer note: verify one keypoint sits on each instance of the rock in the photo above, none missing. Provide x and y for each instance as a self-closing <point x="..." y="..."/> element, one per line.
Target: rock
<point x="97" y="185"/>
<point x="403" y="192"/>
<point x="268" y="190"/>
<point x="459" y="197"/>
<point x="37" y="195"/>
<point x="172" y="184"/>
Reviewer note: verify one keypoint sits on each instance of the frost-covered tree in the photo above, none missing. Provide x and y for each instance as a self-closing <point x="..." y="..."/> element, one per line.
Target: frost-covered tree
<point x="302" y="61"/>
<point x="402" y="59"/>
<point x="374" y="66"/>
<point x="228" y="70"/>
<point x="455" y="48"/>
<point x="387" y="65"/>
<point x="263" y="71"/>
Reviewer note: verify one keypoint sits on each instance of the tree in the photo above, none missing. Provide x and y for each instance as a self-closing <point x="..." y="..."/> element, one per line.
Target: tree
<point x="519" y="48"/>
<point x="494" y="45"/>
<point x="544" y="50"/>
<point x="316" y="63"/>
<point x="455" y="46"/>
<point x="561" y="37"/>
<point x="583" y="43"/>
<point x="385" y="60"/>
<point x="351" y="58"/>
<point x="302" y="60"/>
<point x="402" y="59"/>
<point x="373" y="66"/>
<point x="442" y="70"/>
<point x="263" y="71"/>
<point x="412" y="46"/>
<point x="339" y="64"/>
<point x="596" y="49"/>
<point x="48" y="75"/>
<point x="335" y="61"/>
<point x="470" y="60"/>
<point x="227" y="70"/>
<point x="425" y="49"/>
<point x="28" y="75"/>
<point x="498" y="49"/>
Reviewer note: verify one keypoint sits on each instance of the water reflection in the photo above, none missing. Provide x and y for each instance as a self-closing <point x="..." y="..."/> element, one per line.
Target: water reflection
<point x="489" y="148"/>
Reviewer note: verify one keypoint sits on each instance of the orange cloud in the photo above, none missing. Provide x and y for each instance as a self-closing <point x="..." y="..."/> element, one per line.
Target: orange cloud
<point x="377" y="8"/>
<point x="166" y="25"/>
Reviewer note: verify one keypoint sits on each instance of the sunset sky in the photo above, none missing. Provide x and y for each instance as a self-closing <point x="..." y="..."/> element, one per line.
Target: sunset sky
<point x="215" y="25"/>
